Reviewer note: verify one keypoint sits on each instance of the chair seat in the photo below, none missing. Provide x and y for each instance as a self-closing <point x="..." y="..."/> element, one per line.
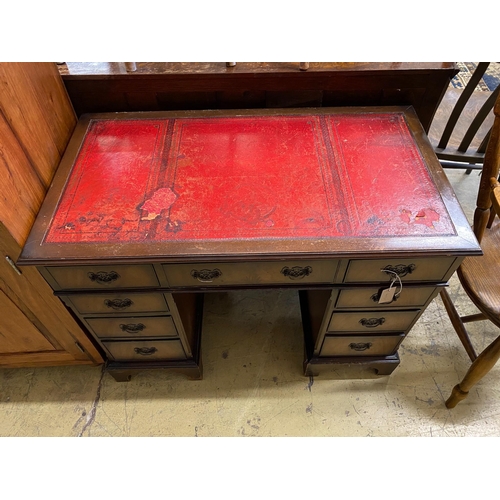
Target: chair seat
<point x="479" y="275"/>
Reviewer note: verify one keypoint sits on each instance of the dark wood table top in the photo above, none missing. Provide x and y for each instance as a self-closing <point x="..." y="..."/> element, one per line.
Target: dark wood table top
<point x="162" y="86"/>
<point x="78" y="69"/>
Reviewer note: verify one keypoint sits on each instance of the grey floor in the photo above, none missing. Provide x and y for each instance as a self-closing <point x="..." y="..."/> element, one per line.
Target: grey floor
<point x="253" y="385"/>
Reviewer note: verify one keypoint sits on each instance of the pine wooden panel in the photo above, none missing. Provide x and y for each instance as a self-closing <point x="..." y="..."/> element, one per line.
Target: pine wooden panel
<point x="17" y="332"/>
<point x="34" y="103"/>
<point x="38" y="300"/>
<point x="21" y="191"/>
<point x="17" y="300"/>
<point x="54" y="102"/>
<point x="36" y="122"/>
<point x="38" y="359"/>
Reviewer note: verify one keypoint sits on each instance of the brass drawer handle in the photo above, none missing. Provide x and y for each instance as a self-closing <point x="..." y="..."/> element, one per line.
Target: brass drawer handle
<point x="361" y="346"/>
<point x="206" y="275"/>
<point x="145" y="351"/>
<point x="118" y="304"/>
<point x="132" y="327"/>
<point x="103" y="278"/>
<point x="296" y="272"/>
<point x="372" y="322"/>
<point x="400" y="269"/>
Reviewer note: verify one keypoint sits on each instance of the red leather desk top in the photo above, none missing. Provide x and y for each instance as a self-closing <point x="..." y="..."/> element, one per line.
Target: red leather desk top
<point x="246" y="178"/>
<point x="266" y="183"/>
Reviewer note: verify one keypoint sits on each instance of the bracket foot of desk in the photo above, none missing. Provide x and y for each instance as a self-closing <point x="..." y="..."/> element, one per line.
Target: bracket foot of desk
<point x="350" y="367"/>
<point x="122" y="372"/>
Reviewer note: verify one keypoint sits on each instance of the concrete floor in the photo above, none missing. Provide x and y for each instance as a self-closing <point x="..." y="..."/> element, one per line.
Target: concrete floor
<point x="253" y="385"/>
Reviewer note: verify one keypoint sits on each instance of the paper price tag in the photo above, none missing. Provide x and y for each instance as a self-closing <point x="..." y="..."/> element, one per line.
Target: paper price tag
<point x="387" y="295"/>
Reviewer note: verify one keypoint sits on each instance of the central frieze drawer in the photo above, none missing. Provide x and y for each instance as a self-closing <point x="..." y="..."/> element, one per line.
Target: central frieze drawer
<point x="102" y="277"/>
<point x="368" y="297"/>
<point x="372" y="321"/>
<point x="361" y="346"/>
<point x="138" y="326"/>
<point x="145" y="350"/>
<point x="111" y="303"/>
<point x="251" y="273"/>
<point x="383" y="270"/>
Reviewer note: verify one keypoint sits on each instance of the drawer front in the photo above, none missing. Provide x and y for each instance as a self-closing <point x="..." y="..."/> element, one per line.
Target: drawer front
<point x="368" y="297"/>
<point x="102" y="277"/>
<point x="133" y="326"/>
<point x="251" y="273"/>
<point x="384" y="270"/>
<point x="111" y="303"/>
<point x="360" y="346"/>
<point x="372" y="322"/>
<point x="145" y="351"/>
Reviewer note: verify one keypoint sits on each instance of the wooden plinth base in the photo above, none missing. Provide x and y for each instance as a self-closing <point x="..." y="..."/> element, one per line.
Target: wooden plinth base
<point x="122" y="372"/>
<point x="351" y="368"/>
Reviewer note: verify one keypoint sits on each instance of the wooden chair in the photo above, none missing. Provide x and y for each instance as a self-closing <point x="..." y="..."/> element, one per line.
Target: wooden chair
<point x="462" y="124"/>
<point x="480" y="276"/>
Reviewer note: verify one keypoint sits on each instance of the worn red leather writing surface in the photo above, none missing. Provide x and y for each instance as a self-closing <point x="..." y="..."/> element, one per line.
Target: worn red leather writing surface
<point x="314" y="176"/>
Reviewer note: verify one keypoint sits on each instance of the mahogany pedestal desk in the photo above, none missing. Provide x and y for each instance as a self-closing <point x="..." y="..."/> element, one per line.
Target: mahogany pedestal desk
<point x="149" y="211"/>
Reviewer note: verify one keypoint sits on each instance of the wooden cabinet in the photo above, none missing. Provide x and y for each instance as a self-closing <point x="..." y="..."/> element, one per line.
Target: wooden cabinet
<point x="35" y="327"/>
<point x="36" y="122"/>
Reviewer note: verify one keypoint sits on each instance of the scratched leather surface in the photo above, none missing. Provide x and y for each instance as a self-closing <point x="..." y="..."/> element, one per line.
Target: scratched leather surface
<point x="323" y="176"/>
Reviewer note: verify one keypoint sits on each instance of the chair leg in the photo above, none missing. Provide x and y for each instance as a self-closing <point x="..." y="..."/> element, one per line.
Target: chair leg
<point x="456" y="321"/>
<point x="483" y="364"/>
